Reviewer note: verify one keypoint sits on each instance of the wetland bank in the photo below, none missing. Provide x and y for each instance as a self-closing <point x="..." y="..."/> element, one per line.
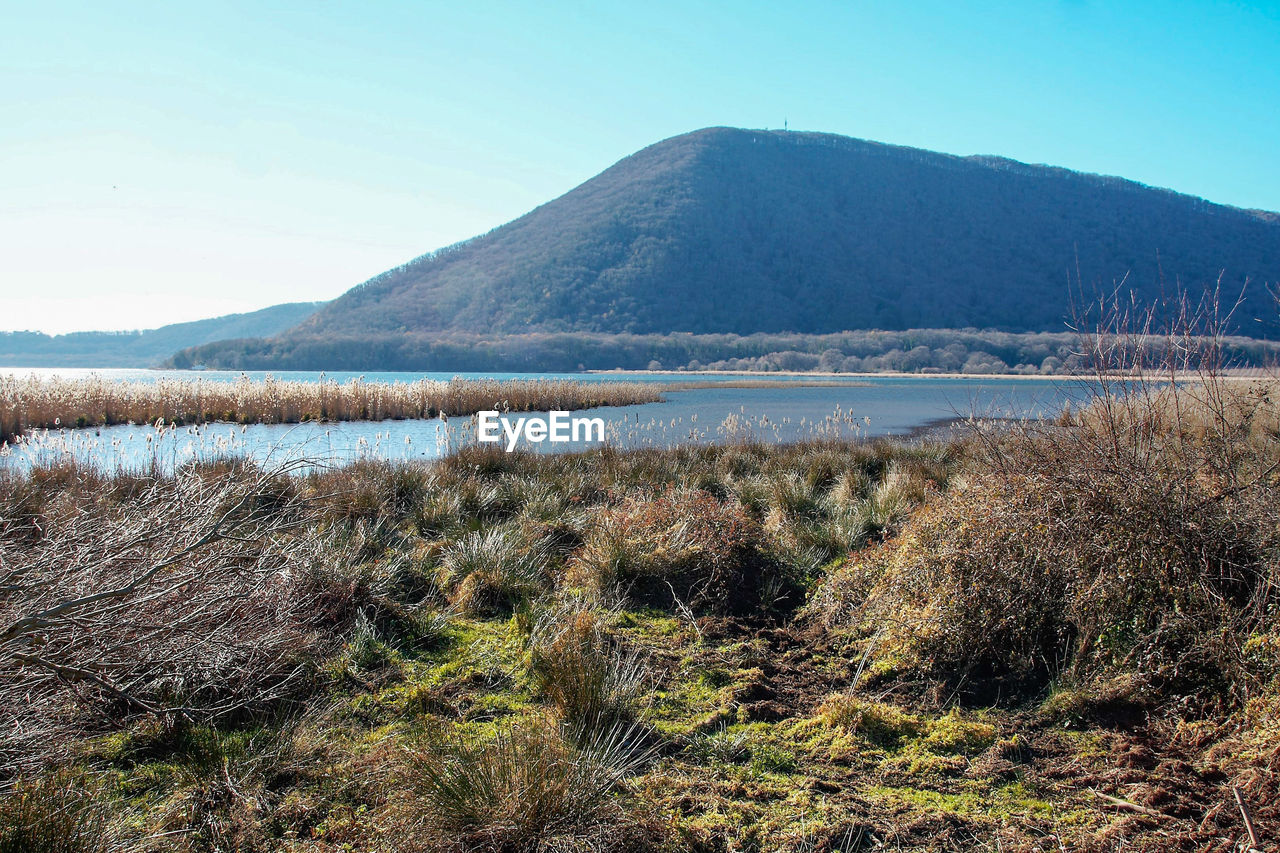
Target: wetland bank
<point x="167" y="419"/>
<point x="1054" y="634"/>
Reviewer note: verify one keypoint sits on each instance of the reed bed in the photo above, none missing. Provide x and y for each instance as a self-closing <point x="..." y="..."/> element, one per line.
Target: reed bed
<point x="34" y="403"/>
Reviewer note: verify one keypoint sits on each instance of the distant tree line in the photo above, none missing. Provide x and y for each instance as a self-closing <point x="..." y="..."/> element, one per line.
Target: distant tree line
<point x="912" y="351"/>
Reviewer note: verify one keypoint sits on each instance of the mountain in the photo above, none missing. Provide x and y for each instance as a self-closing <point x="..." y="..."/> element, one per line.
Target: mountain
<point x="144" y="348"/>
<point x="743" y="231"/>
<point x="748" y="231"/>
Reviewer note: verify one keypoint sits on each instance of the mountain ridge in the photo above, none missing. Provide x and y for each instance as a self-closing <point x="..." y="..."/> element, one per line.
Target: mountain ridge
<point x="148" y="347"/>
<point x="741" y="231"/>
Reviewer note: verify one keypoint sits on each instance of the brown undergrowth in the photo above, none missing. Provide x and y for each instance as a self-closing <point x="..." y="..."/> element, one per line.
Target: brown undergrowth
<point x="1025" y="641"/>
<point x="1119" y="571"/>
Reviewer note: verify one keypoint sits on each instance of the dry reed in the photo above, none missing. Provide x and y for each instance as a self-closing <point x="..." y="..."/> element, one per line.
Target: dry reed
<point x="34" y="403"/>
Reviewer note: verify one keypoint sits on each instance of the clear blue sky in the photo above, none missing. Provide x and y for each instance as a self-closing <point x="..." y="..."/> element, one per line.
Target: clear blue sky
<point x="170" y="161"/>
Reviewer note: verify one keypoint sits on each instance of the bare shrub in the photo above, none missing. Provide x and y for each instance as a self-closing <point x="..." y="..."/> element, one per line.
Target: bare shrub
<point x="1135" y="537"/>
<point x="188" y="601"/>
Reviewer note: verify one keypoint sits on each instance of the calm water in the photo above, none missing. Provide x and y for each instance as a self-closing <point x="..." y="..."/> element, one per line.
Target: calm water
<point x="144" y="375"/>
<point x="856" y="407"/>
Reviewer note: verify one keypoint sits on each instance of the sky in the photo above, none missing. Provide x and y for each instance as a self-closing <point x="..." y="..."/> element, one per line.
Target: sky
<point x="163" y="162"/>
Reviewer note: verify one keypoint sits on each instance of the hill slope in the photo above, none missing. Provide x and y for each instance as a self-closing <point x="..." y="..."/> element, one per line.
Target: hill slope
<point x="145" y="348"/>
<point x="726" y="230"/>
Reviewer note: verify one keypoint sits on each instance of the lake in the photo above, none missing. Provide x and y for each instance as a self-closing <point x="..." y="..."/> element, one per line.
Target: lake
<point x="786" y="409"/>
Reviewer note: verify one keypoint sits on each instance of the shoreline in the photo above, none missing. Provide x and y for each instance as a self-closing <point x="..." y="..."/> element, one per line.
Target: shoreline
<point x="766" y="377"/>
<point x="819" y="374"/>
<point x="1254" y="374"/>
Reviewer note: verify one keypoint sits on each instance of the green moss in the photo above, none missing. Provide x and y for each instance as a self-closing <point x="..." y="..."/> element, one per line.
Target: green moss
<point x="1069" y="707"/>
<point x="479" y="653"/>
<point x="717" y="677"/>
<point x="964" y="804"/>
<point x="927" y="744"/>
<point x="381" y="734"/>
<point x="770" y="758"/>
<point x="952" y="733"/>
<point x="882" y="724"/>
<point x="1016" y="800"/>
<point x="819" y="741"/>
<point x="686" y="705"/>
<point x="971" y="801"/>
<point x="498" y="704"/>
<point x="415" y="698"/>
<point x="369" y="710"/>
<point x="113" y="747"/>
<point x="149" y="744"/>
<point x="649" y="622"/>
<point x="1087" y="745"/>
<point x="916" y="761"/>
<point x="886" y="665"/>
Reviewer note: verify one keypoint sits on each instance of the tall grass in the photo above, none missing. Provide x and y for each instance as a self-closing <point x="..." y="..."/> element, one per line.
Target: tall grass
<point x="529" y="787"/>
<point x="54" y="814"/>
<point x="590" y="679"/>
<point x="36" y="403"/>
<point x="491" y="571"/>
<point x="681" y="547"/>
<point x="283" y="567"/>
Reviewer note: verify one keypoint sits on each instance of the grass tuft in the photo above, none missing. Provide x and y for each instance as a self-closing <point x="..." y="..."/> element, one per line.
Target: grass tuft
<point x="527" y="785"/>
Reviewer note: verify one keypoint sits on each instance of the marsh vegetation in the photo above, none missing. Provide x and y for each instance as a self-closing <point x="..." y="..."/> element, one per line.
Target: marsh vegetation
<point x="29" y="403"/>
<point x="1052" y="635"/>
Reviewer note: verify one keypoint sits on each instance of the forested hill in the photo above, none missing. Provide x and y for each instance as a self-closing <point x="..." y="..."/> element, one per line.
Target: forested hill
<point x="726" y="230"/>
<point x="144" y="348"/>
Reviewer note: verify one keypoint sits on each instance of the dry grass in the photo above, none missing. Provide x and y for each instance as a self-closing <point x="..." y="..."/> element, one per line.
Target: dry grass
<point x="601" y="650"/>
<point x="465" y="691"/>
<point x="587" y="676"/>
<point x="492" y="571"/>
<point x="681" y="547"/>
<point x="1128" y="549"/>
<point x="210" y="591"/>
<point x="33" y="403"/>
<point x="54" y="814"/>
<point x="527" y="788"/>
